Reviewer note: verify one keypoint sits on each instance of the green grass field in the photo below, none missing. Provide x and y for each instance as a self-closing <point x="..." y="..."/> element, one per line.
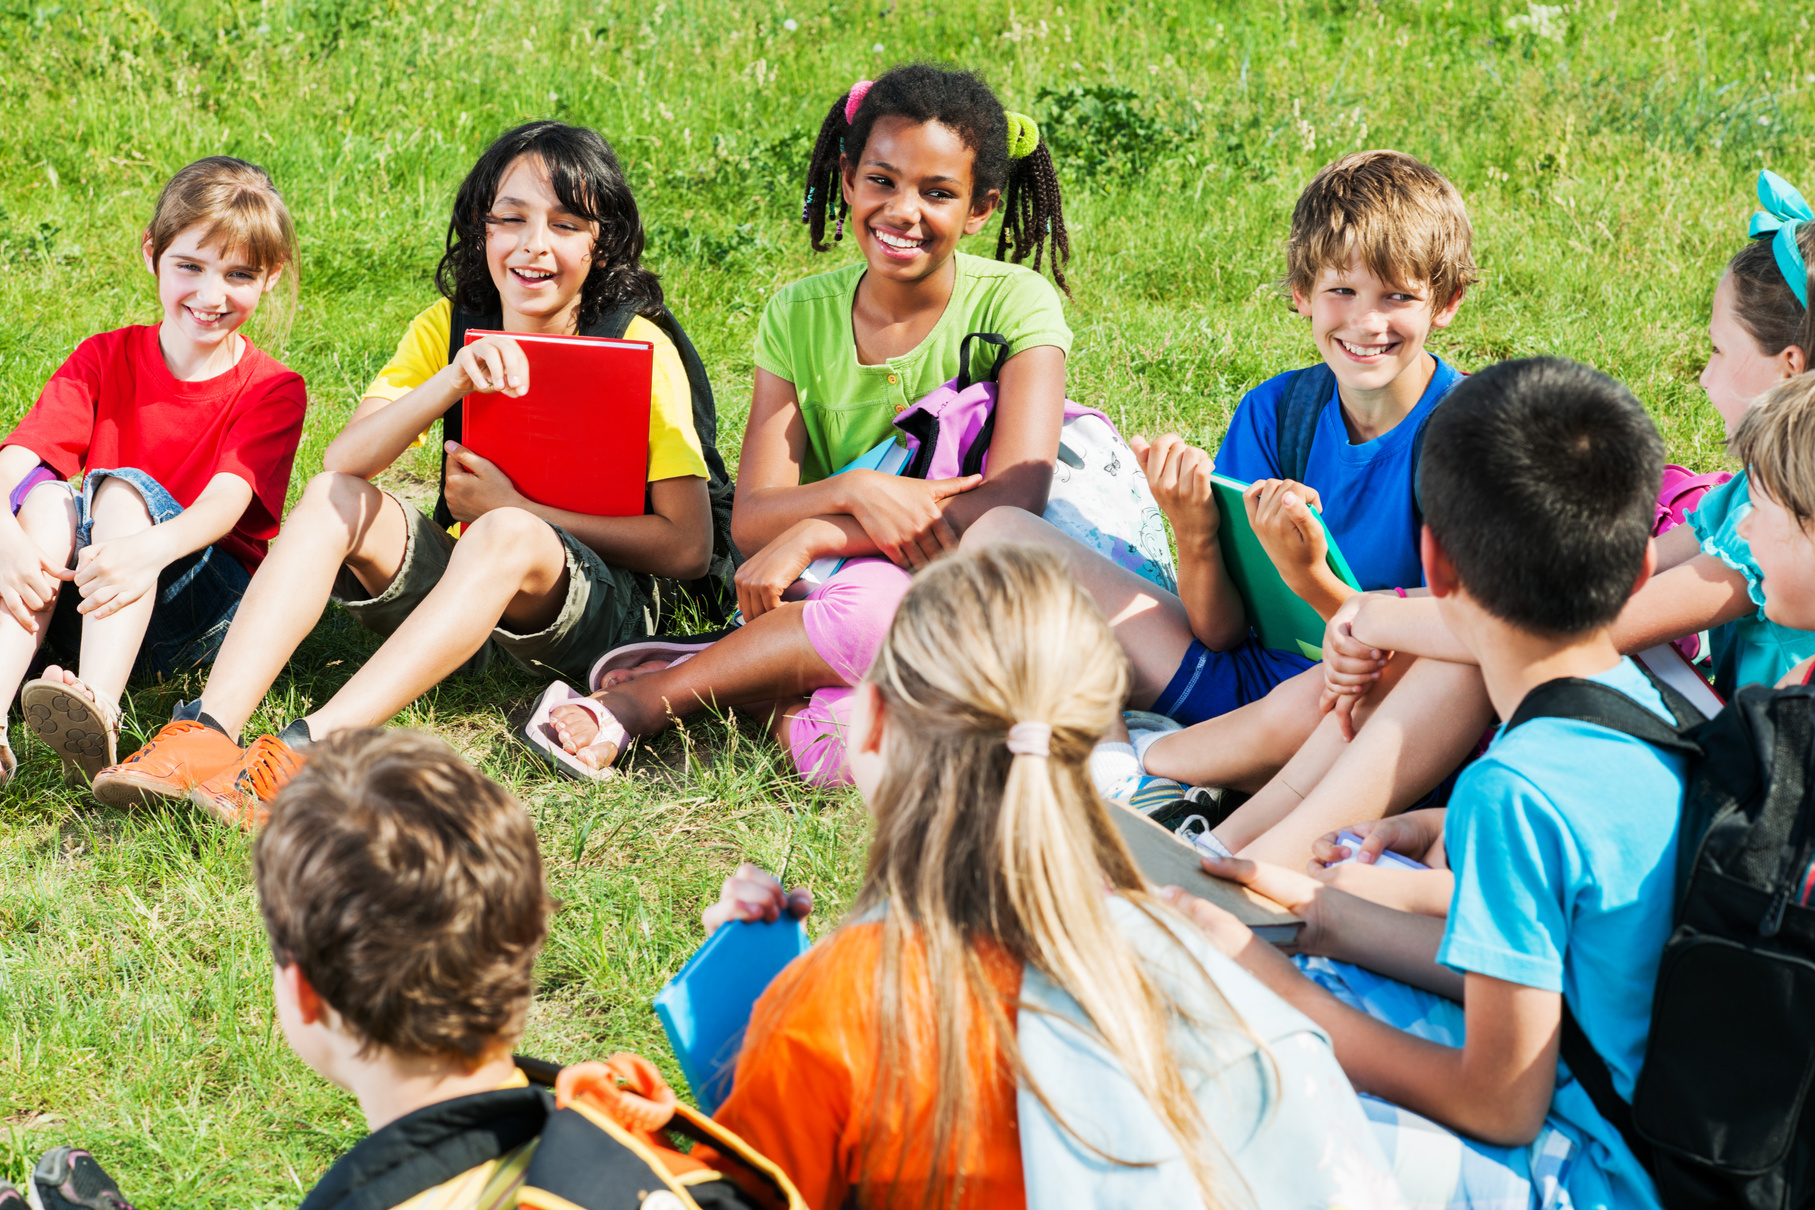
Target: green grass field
<point x="1607" y="151"/>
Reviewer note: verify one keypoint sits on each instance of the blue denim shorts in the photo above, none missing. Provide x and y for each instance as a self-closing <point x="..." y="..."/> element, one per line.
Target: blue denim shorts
<point x="197" y="595"/>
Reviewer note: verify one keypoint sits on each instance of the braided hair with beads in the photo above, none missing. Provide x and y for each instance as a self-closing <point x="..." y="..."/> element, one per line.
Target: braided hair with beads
<point x="1008" y="157"/>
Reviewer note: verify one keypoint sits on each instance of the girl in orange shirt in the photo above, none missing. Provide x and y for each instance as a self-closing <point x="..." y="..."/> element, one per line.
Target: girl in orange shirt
<point x="920" y="1055"/>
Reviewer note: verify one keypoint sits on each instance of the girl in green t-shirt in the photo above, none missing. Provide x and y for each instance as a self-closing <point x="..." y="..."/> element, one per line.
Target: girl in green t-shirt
<point x="909" y="164"/>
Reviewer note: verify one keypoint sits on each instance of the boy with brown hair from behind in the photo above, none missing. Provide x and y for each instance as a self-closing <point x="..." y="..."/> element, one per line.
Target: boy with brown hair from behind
<point x="403" y="895"/>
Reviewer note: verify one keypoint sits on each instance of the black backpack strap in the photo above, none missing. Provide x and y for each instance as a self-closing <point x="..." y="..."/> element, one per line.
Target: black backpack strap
<point x="1295" y="422"/>
<point x="459" y="320"/>
<point x="964" y="358"/>
<point x="1592" y="702"/>
<point x="1590" y="1071"/>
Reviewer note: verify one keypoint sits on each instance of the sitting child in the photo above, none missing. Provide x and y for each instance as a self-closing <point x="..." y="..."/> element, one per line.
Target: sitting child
<point x="989" y="1028"/>
<point x="185" y="432"/>
<point x="404" y="900"/>
<point x="912" y="162"/>
<point x="545" y="237"/>
<point x="1562" y="838"/>
<point x="1774" y="441"/>
<point x="1378" y="258"/>
<point x="1760" y="333"/>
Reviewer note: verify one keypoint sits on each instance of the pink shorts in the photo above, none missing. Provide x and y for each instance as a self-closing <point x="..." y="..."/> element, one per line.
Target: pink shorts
<point x="846" y="618"/>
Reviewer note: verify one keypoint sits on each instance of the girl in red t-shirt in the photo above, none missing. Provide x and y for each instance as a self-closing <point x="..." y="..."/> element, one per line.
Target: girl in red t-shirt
<point x="147" y="480"/>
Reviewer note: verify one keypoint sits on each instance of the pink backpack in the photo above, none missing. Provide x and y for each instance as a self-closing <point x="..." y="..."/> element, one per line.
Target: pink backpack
<point x="1681" y="491"/>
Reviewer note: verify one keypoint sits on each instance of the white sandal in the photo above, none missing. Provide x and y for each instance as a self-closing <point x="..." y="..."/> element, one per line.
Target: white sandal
<point x="540" y="734"/>
<point x="84" y="732"/>
<point x="8" y="762"/>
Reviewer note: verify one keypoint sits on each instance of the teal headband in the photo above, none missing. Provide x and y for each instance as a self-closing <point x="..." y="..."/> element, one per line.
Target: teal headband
<point x="1784" y="211"/>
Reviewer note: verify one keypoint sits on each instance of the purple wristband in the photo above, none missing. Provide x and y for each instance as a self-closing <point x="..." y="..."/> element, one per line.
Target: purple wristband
<point x="38" y="474"/>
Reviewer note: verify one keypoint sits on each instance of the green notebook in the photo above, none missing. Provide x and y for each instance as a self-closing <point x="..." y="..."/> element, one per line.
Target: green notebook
<point x="1279" y="616"/>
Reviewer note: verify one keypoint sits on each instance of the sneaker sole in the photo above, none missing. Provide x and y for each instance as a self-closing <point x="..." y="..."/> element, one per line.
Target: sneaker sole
<point x="133" y="790"/>
<point x="235" y="815"/>
<point x="72" y="725"/>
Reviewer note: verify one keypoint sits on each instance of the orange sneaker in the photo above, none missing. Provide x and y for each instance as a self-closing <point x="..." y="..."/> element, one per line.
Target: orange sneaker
<point x="239" y="793"/>
<point x="178" y="758"/>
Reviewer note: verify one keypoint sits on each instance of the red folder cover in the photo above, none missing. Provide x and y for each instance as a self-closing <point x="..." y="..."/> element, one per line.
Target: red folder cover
<point x="578" y="439"/>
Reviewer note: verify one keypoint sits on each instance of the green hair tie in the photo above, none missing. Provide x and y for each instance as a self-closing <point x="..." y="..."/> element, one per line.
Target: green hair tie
<point x="1023" y="135"/>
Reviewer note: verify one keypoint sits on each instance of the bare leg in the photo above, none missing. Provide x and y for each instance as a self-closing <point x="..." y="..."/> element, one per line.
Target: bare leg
<point x="766" y="659"/>
<point x="48" y="517"/>
<point x="340" y="521"/>
<point x="1243" y="749"/>
<point x="110" y="645"/>
<point x="1419" y="731"/>
<point x="1150" y="623"/>
<point x="510" y="565"/>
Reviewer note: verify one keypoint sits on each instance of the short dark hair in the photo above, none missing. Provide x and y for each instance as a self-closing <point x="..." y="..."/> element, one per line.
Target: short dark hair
<point x="585" y="175"/>
<point x="1539" y="481"/>
<point x="408" y="889"/>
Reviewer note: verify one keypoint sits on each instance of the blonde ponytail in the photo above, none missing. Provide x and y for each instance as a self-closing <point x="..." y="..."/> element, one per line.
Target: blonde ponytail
<point x="998" y="677"/>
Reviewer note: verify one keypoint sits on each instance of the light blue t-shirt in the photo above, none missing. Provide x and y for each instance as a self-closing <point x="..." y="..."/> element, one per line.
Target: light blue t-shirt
<point x="1751" y="650"/>
<point x="1366" y="488"/>
<point x="1563" y="842"/>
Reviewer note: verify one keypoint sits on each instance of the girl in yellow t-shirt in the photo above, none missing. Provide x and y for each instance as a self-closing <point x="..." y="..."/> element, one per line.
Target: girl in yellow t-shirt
<point x="545" y="238"/>
<point x="908" y="165"/>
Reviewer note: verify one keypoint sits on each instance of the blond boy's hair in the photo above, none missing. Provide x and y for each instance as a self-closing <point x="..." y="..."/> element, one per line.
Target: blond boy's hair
<point x="1400" y="216"/>
<point x="1776" y="441"/>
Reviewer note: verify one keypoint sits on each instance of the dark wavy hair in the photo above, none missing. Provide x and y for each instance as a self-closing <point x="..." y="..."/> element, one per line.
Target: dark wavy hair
<point x="586" y="177"/>
<point x="1032" y="213"/>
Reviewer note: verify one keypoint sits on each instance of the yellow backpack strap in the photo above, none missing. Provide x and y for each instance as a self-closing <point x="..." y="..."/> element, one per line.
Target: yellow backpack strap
<point x="702" y="1129"/>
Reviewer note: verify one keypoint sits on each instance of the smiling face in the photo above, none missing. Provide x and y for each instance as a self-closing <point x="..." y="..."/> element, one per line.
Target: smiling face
<point x="206" y="293"/>
<point x="1785" y="554"/>
<point x="538" y="251"/>
<point x="1369" y="331"/>
<point x="911" y="198"/>
<point x="1738" y="371"/>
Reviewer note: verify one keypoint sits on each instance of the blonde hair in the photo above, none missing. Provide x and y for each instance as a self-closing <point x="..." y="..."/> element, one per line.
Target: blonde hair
<point x="243" y="214"/>
<point x="1399" y="215"/>
<point x="1776" y="442"/>
<point x="977" y="848"/>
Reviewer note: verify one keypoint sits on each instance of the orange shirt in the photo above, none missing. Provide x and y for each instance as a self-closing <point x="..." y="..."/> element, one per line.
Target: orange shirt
<point x="803" y="1095"/>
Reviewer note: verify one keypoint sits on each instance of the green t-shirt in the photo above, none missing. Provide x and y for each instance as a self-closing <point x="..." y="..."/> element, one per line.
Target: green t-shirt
<point x="805" y="337"/>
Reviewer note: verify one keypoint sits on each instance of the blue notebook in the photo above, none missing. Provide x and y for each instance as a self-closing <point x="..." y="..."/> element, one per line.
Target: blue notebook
<point x="706" y="1007"/>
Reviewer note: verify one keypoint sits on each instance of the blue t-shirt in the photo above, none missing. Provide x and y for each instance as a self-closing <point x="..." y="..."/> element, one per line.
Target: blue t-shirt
<point x="1563" y="842"/>
<point x="1751" y="650"/>
<point x="1366" y="488"/>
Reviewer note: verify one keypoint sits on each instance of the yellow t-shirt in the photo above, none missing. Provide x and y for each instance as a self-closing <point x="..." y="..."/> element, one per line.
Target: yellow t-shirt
<point x="674" y="448"/>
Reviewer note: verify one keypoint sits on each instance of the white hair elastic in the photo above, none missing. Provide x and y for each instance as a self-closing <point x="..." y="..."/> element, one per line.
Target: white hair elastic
<point x="1030" y="739"/>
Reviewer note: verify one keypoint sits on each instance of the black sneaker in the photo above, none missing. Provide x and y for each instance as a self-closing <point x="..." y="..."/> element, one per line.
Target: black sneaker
<point x="11" y="1198"/>
<point x="68" y="1178"/>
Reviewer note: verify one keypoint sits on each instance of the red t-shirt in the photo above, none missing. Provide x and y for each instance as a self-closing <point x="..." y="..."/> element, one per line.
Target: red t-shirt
<point x="115" y="404"/>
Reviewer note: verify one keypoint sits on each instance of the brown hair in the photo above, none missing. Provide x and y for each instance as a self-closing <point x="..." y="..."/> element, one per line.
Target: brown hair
<point x="244" y="214"/>
<point x="1776" y="442"/>
<point x="980" y="850"/>
<point x="1763" y="302"/>
<point x="1405" y="221"/>
<point x="408" y="888"/>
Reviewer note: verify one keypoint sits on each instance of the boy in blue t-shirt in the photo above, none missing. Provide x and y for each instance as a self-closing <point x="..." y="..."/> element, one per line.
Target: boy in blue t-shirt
<point x="1378" y="258"/>
<point x="1562" y="838"/>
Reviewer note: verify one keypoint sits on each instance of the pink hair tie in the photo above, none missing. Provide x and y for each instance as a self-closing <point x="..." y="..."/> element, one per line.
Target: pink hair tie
<point x="1030" y="739"/>
<point x="854" y="100"/>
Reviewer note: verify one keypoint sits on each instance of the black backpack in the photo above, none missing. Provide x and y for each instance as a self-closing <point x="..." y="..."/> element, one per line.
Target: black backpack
<point x="714" y="592"/>
<point x="1295" y="419"/>
<point x="1719" y="1116"/>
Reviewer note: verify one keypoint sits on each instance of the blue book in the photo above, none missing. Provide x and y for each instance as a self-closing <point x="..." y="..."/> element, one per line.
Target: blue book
<point x="706" y="1007"/>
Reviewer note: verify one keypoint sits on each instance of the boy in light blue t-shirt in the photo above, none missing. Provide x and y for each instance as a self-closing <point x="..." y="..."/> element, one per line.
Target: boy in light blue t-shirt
<point x="1562" y="838"/>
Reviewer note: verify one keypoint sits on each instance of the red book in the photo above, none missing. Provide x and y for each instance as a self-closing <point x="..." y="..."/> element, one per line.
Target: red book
<point x="578" y="439"/>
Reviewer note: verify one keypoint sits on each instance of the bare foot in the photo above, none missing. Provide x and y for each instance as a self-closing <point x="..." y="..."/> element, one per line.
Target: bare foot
<point x="620" y="676"/>
<point x="54" y="673"/>
<point x="581" y="736"/>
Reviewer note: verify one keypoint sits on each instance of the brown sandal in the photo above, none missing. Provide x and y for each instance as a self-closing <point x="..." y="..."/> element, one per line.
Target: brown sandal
<point x="84" y="732"/>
